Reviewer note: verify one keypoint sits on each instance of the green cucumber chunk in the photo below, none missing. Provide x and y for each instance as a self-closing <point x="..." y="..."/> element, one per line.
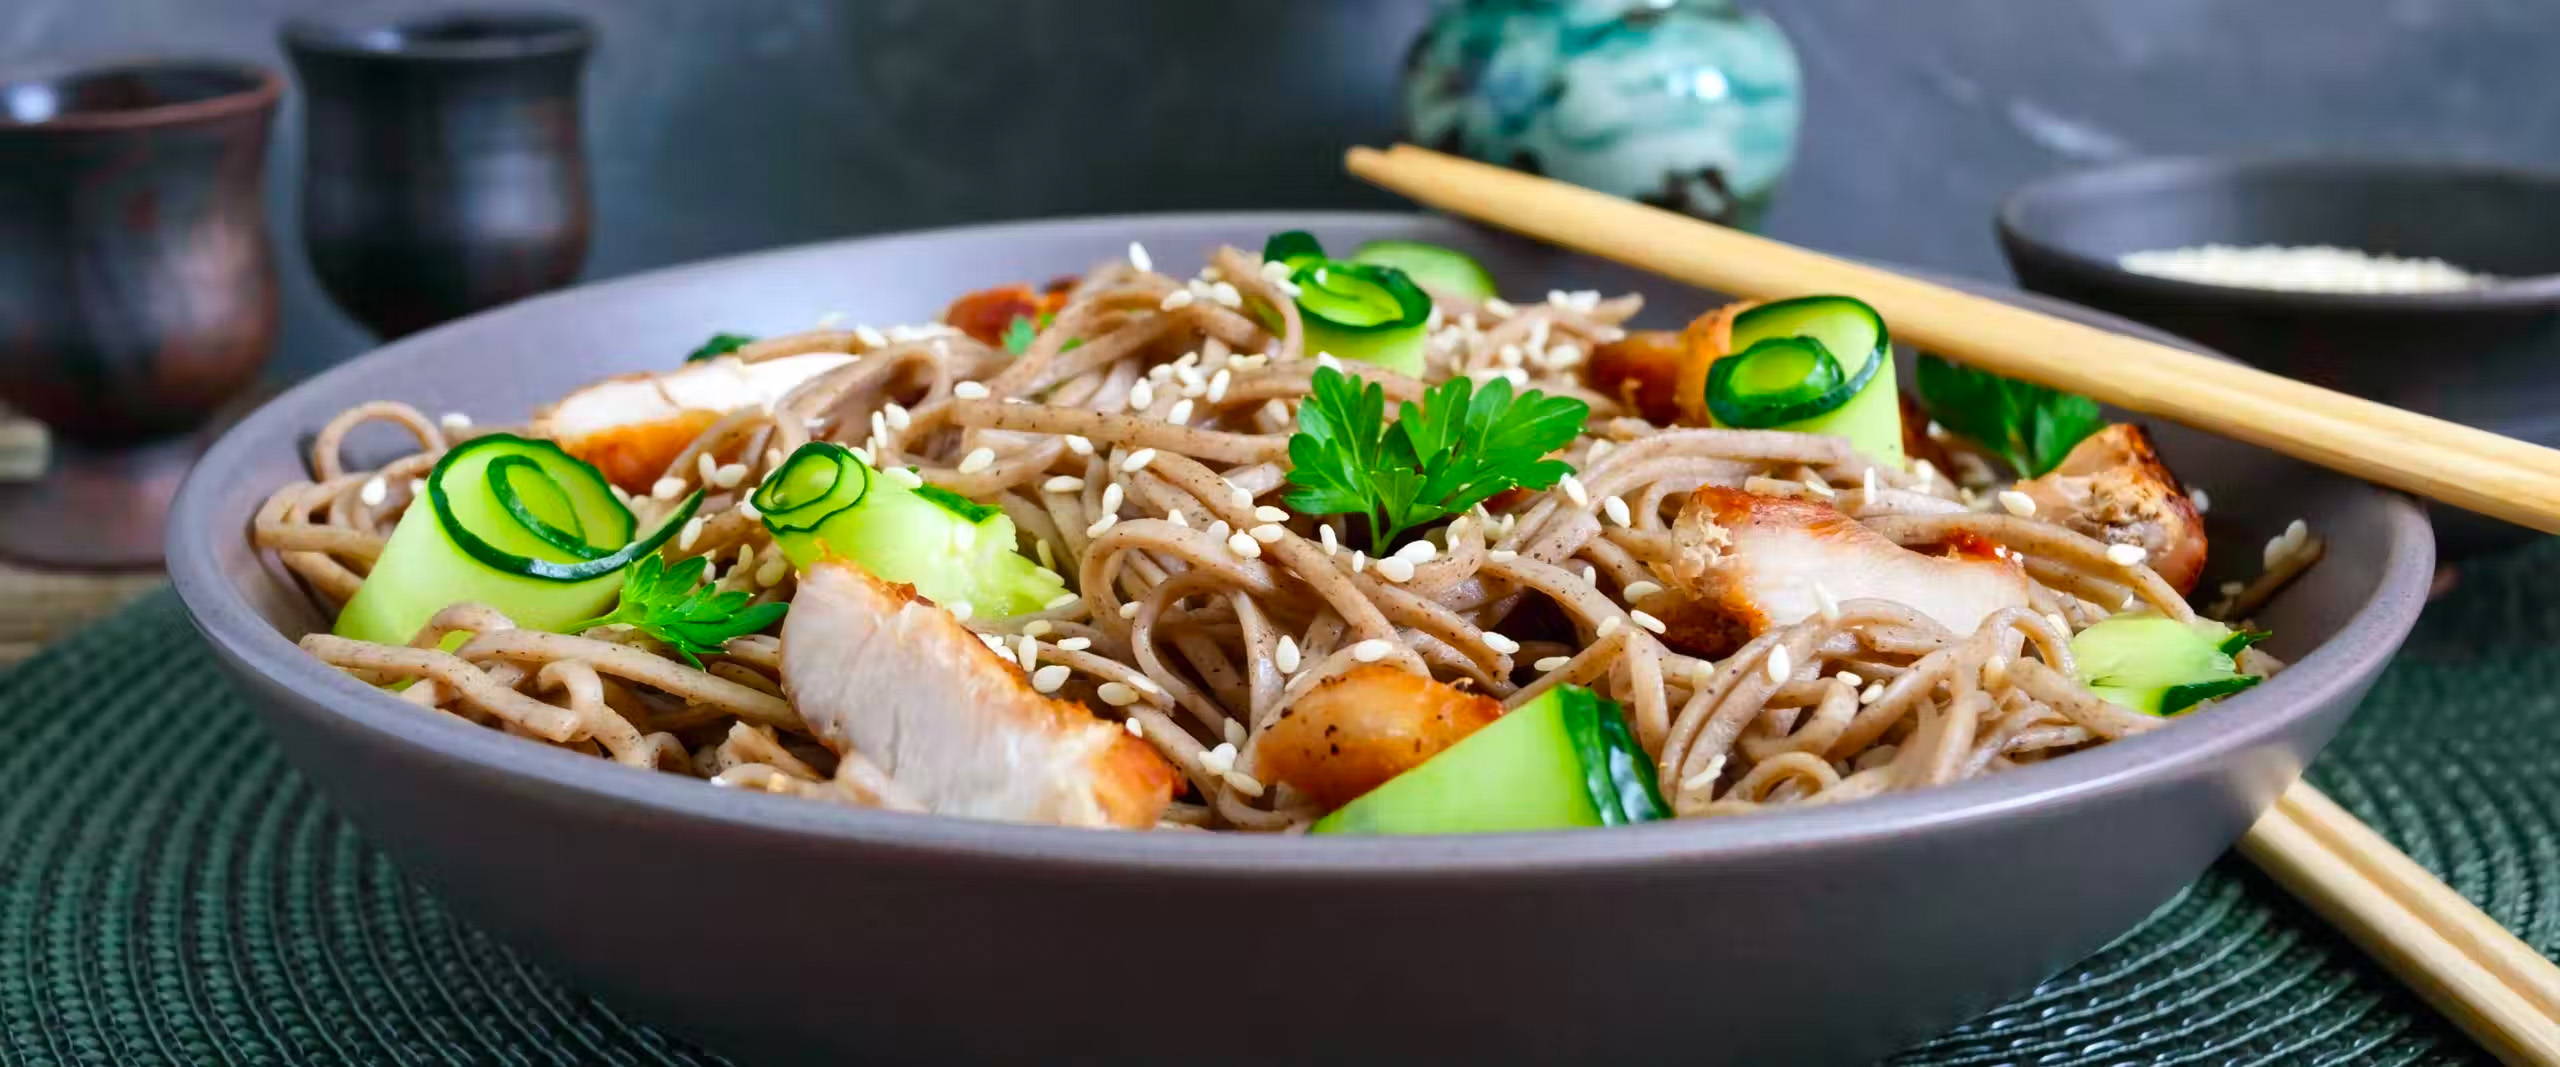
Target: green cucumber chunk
<point x="1440" y="270"/>
<point x="1295" y="248"/>
<point x="2158" y="665"/>
<point x="825" y="501"/>
<point x="1364" y="312"/>
<point x="1854" y="335"/>
<point x="1563" y="760"/>
<point x="513" y="523"/>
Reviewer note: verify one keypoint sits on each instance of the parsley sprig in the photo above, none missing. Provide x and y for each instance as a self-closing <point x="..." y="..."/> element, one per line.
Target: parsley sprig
<point x="1461" y="445"/>
<point x="673" y="605"/>
<point x="2028" y="425"/>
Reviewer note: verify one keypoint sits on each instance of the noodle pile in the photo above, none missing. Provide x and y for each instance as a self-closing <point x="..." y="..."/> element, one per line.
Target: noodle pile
<point x="1145" y="464"/>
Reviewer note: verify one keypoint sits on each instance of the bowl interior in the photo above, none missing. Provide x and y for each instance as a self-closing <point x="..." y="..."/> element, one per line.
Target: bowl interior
<point x="2338" y="624"/>
<point x="2504" y="221"/>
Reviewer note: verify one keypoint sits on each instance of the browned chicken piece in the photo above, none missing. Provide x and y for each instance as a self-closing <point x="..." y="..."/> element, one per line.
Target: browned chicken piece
<point x="875" y="669"/>
<point x="987" y="313"/>
<point x="2113" y="487"/>
<point x="1662" y="374"/>
<point x="631" y="426"/>
<point x="1350" y="734"/>
<point x="1747" y="563"/>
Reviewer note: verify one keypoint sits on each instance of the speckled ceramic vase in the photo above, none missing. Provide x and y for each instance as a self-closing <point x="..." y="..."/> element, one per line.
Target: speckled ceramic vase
<point x="1687" y="104"/>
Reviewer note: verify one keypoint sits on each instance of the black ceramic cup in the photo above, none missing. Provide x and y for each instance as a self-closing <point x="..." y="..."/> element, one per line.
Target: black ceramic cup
<point x="2487" y="356"/>
<point x="137" y="288"/>
<point x="444" y="168"/>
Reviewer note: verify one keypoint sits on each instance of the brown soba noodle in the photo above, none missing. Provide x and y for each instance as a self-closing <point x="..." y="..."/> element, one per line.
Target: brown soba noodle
<point x="1146" y="465"/>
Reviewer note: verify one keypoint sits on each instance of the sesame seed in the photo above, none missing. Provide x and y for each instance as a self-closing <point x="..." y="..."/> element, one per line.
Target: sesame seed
<point x="1396" y="569"/>
<point x="1285" y="655"/>
<point x="1142" y="396"/>
<point x="1359" y="561"/>
<point x="963" y="609"/>
<point x="1062" y="600"/>
<point x="1778" y="666"/>
<point x="1176" y="300"/>
<point x="418" y="488"/>
<point x="691" y="533"/>
<point x="1267" y="513"/>
<point x="879" y="427"/>
<point x="1418" y="551"/>
<point x="1218" y="384"/>
<point x="1850" y="678"/>
<point x="1820" y="488"/>
<point x="1135" y="728"/>
<point x="1823" y="601"/>
<point x="729" y="475"/>
<point x="1138" y="460"/>
<point x="1244" y="545"/>
<point x="749" y="509"/>
<point x="2198" y="497"/>
<point x="1598" y="449"/>
<point x="1616" y="509"/>
<point x="1181" y="411"/>
<point x="1372" y="650"/>
<point x="1176" y="517"/>
<point x="977" y="460"/>
<point x="1499" y="308"/>
<point x="1129" y="610"/>
<point x="703" y="462"/>
<point x="1872" y="693"/>
<point x="774" y="570"/>
<point x="1238" y="493"/>
<point x="1027" y="651"/>
<point x="373" y="492"/>
<point x="1079" y="444"/>
<point x="1269" y="532"/>
<point x="1552" y="663"/>
<point x="1040" y="628"/>
<point x="1218" y="760"/>
<point x="1049" y="679"/>
<point x="1994" y="670"/>
<point x="1218" y="530"/>
<point x="1238" y="780"/>
<point x="970" y="390"/>
<point x="1646" y="620"/>
<point x="1502" y="555"/>
<point x="1064" y="483"/>
<point x="2127" y="555"/>
<point x="1138" y="257"/>
<point x="863" y="454"/>
<point x="2017" y="503"/>
<point x="903" y="477"/>
<point x="1112" y="495"/>
<point x="1867" y="483"/>
<point x="667" y="488"/>
<point x="1590" y="574"/>
<point x="1639" y="590"/>
<point x="1225" y="293"/>
<point x="1234" y="732"/>
<point x="1071" y="644"/>
<point x="1327" y="539"/>
<point x="1574" y="491"/>
<point x="453" y="422"/>
<point x="1501" y="643"/>
<point x="1608" y="625"/>
<point x="1116" y="694"/>
<point x="1101" y="524"/>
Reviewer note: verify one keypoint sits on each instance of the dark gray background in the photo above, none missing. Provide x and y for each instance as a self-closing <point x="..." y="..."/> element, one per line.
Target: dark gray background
<point x="723" y="125"/>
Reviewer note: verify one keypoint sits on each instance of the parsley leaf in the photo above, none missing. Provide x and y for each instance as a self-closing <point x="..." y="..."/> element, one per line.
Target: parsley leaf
<point x="673" y="605"/>
<point x="720" y="344"/>
<point x="2028" y="425"/>
<point x="1460" y="446"/>
<point x="1019" y="334"/>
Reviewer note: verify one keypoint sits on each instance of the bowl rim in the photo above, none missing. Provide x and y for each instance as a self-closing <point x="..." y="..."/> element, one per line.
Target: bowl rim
<point x="256" y="89"/>
<point x="534" y="32"/>
<point x="240" y="635"/>
<point x="2525" y="293"/>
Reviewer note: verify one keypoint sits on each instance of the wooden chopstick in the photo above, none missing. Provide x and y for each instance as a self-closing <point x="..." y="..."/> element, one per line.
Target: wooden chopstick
<point x="2493" y="985"/>
<point x="2497" y="988"/>
<point x="2462" y="466"/>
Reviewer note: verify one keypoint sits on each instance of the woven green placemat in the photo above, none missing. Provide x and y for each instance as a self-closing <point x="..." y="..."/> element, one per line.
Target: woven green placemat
<point x="170" y="892"/>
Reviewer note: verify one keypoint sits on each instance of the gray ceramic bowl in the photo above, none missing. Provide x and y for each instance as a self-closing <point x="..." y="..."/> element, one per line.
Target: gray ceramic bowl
<point x="788" y="931"/>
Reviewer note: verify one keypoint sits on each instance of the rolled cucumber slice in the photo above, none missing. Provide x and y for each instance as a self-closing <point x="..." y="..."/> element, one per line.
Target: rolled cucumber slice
<point x="825" y="501"/>
<point x="1441" y="270"/>
<point x="1854" y="336"/>
<point x="2158" y="665"/>
<point x="510" y="522"/>
<point x="1563" y="760"/>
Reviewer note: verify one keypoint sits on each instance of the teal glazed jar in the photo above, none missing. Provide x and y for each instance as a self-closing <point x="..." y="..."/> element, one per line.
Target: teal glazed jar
<point x="1690" y="105"/>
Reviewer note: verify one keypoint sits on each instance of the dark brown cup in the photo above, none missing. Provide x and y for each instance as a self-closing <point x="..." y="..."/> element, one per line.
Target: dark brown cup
<point x="137" y="289"/>
<point x="444" y="170"/>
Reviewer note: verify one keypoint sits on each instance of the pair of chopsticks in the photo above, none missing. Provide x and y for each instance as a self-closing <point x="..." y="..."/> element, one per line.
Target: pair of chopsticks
<point x="2497" y="988"/>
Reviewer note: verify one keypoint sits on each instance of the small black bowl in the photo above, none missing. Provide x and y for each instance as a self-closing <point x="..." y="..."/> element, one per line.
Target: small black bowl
<point x="2487" y="356"/>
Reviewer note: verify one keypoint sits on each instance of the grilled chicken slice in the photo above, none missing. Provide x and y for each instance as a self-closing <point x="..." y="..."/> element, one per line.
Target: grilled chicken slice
<point x="875" y="669"/>
<point x="987" y="313"/>
<point x="2113" y="487"/>
<point x="633" y="425"/>
<point x="1662" y="374"/>
<point x="1747" y="563"/>
<point x="1354" y="731"/>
